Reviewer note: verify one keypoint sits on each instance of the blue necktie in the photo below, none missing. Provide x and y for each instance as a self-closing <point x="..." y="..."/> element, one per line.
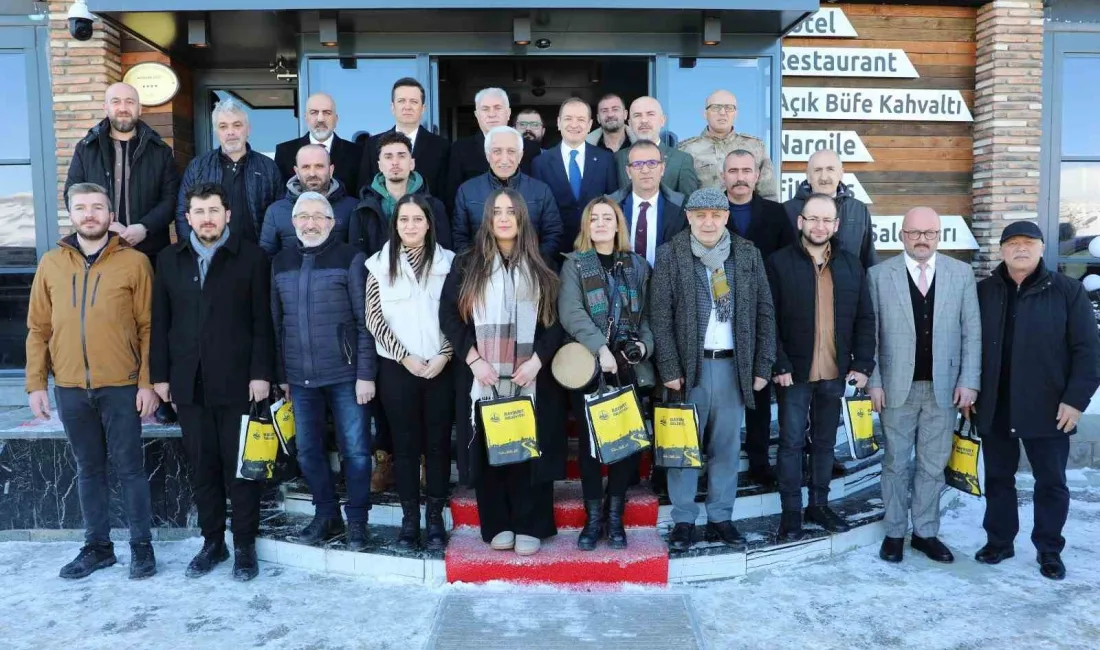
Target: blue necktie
<point x="574" y="174"/>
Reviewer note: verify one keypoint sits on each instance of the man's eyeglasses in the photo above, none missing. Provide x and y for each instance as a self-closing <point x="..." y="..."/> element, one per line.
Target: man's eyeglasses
<point x="311" y="217"/>
<point x="929" y="235"/>
<point x="529" y="125"/>
<point x="722" y="108"/>
<point x="648" y="164"/>
<point x="825" y="221"/>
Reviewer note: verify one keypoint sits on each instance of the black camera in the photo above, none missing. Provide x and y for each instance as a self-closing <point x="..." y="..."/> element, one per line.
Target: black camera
<point x="631" y="350"/>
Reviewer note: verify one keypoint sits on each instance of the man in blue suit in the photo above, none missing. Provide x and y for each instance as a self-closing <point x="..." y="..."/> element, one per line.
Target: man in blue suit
<point x="575" y="171"/>
<point x="654" y="213"/>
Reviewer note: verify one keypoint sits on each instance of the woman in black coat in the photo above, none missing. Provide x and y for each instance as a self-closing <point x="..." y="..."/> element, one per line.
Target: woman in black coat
<point x="501" y="292"/>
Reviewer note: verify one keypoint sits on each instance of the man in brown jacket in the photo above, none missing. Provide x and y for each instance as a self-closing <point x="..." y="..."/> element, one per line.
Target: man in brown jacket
<point x="89" y="325"/>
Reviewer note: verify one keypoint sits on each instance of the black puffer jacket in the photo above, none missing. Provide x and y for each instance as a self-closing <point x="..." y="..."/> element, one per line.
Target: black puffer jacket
<point x="791" y="275"/>
<point x="855" y="234"/>
<point x="154" y="179"/>
<point x="368" y="230"/>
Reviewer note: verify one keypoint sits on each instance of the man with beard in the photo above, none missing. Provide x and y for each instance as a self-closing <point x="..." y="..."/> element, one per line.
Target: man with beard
<point x="407" y="103"/>
<point x="929" y="365"/>
<point x="321" y="121"/>
<point x="647" y="119"/>
<point x="326" y="361"/>
<point x="613" y="133"/>
<point x="88" y="325"/>
<point x="530" y="125"/>
<point x="765" y="224"/>
<point x="710" y="148"/>
<point x="251" y="180"/>
<point x="468" y="161"/>
<point x="313" y="172"/>
<point x="825" y="327"/>
<point x="213" y="357"/>
<point x="824" y="173"/>
<point x="126" y="156"/>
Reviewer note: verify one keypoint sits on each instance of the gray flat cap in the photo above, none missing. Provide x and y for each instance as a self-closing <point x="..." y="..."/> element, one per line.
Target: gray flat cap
<point x="710" y="198"/>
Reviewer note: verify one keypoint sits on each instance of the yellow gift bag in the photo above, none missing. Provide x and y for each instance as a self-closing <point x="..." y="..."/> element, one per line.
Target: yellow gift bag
<point x="676" y="436"/>
<point x="964" y="470"/>
<point x="511" y="433"/>
<point x="615" y="426"/>
<point x="282" y="415"/>
<point x="860" y="426"/>
<point x="259" y="445"/>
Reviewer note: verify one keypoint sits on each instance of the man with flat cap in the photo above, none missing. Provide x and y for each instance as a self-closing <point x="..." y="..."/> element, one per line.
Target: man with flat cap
<point x="1040" y="356"/>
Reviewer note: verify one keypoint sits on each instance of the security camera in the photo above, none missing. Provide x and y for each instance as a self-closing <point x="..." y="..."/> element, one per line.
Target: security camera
<point x="80" y="21"/>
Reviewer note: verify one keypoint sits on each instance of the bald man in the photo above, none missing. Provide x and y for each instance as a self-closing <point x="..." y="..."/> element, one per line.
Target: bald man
<point x="126" y="156"/>
<point x="710" y="148"/>
<point x="928" y="368"/>
<point x="647" y="119"/>
<point x="321" y="120"/>
<point x="824" y="175"/>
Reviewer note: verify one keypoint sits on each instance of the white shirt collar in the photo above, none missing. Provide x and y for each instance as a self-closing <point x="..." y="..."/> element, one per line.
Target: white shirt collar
<point x="912" y="264"/>
<point x="410" y="136"/>
<point x="652" y="202"/>
<point x="327" y="144"/>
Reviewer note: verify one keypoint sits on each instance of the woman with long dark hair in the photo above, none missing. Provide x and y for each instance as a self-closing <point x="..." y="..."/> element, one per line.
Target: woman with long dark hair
<point x="602" y="306"/>
<point x="414" y="384"/>
<point x="498" y="309"/>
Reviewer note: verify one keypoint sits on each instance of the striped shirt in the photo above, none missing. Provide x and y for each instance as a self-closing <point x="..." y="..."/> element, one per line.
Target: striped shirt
<point x="376" y="322"/>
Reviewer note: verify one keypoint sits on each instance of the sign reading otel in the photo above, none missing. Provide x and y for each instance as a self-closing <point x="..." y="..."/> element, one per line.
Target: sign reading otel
<point x="890" y="104"/>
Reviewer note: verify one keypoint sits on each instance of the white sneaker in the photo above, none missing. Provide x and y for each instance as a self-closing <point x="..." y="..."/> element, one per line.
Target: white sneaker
<point x="527" y="545"/>
<point x="503" y="541"/>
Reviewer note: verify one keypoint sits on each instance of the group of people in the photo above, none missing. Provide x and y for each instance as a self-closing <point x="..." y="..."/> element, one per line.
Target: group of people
<point x="674" y="268"/>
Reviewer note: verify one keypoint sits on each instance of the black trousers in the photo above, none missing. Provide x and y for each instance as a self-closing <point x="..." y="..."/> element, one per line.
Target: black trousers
<point x="508" y="500"/>
<point x="758" y="427"/>
<point x="1048" y="458"/>
<point x="619" y="474"/>
<point x="211" y="437"/>
<point x="423" y="412"/>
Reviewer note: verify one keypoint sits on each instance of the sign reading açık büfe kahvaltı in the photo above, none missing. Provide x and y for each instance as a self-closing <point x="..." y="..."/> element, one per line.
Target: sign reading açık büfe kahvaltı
<point x="817" y="103"/>
<point x="847" y="62"/>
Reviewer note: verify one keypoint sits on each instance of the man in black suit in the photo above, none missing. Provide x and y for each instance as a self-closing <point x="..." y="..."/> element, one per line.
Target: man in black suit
<point x="430" y="151"/>
<point x="468" y="159"/>
<point x="766" y="225"/>
<point x="575" y="171"/>
<point x="321" y="119"/>
<point x="654" y="213"/>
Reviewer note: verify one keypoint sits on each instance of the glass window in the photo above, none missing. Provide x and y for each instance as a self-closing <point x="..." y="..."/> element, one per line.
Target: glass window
<point x="15" y="140"/>
<point x="690" y="81"/>
<point x="271" y="115"/>
<point x="15" y="297"/>
<point x="1079" y="209"/>
<point x="362" y="93"/>
<point x="1080" y="78"/>
<point x="17" y="225"/>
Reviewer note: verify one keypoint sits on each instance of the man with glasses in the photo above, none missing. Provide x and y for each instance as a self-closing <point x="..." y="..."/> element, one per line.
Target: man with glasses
<point x="325" y="359"/>
<point x="825" y="326"/>
<point x="929" y="365"/>
<point x="710" y="148"/>
<point x="647" y="119"/>
<point x="824" y="173"/>
<point x="530" y="125"/>
<point x="654" y="213"/>
<point x="492" y="109"/>
<point x="313" y="172"/>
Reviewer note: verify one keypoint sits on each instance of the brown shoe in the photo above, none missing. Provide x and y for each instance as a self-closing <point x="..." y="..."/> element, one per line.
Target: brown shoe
<point x="382" y="478"/>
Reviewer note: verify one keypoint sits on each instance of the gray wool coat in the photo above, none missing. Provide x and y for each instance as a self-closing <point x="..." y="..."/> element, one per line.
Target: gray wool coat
<point x="675" y="321"/>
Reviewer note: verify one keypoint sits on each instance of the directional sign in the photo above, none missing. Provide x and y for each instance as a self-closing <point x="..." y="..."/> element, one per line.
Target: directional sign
<point x="788" y="186"/>
<point x="825" y="23"/>
<point x="818" y="103"/>
<point x="798" y="146"/>
<point x="847" y="62"/>
<point x="955" y="235"/>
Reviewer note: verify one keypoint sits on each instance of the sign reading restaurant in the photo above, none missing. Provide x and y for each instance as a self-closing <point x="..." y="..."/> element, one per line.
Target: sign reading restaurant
<point x="819" y="103"/>
<point x="847" y="62"/>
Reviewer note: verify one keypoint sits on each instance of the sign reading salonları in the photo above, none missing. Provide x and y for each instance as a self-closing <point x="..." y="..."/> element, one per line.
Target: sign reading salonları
<point x="825" y="23"/>
<point x="798" y="146"/>
<point x="955" y="235"/>
<point x="817" y="103"/>
<point x="788" y="186"/>
<point x="847" y="62"/>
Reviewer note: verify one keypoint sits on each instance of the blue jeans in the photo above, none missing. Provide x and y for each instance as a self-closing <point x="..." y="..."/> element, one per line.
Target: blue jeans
<point x="795" y="404"/>
<point x="352" y="438"/>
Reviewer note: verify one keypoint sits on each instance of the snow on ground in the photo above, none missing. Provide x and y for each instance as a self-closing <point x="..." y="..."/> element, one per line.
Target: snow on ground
<point x="852" y="602"/>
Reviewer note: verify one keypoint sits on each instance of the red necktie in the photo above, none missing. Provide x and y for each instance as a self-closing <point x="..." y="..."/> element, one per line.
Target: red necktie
<point x="640" y="236"/>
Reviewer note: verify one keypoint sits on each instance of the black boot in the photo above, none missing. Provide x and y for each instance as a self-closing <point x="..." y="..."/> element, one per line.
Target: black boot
<point x="321" y="529"/>
<point x="825" y="517"/>
<point x="409" y="537"/>
<point x="590" y="534"/>
<point x="213" y="552"/>
<point x="91" y="558"/>
<point x="357" y="536"/>
<point x="616" y="533"/>
<point x="143" y="564"/>
<point x="165" y="414"/>
<point x="245" y="565"/>
<point x="790" y="527"/>
<point x="437" y="531"/>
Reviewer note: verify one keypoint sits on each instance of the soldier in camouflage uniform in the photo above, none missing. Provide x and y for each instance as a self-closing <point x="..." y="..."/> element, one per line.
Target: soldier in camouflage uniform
<point x="710" y="148"/>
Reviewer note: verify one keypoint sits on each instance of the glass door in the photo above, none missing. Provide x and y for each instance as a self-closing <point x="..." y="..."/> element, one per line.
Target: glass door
<point x="272" y="104"/>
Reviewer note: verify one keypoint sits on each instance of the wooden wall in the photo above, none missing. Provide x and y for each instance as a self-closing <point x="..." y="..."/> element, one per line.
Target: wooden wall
<point x="915" y="163"/>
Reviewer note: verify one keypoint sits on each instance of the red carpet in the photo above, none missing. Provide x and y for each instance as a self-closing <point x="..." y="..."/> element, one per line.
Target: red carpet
<point x="641" y="507"/>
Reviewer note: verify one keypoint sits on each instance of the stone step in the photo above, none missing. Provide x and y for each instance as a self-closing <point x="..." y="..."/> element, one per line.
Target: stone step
<point x="569" y="514"/>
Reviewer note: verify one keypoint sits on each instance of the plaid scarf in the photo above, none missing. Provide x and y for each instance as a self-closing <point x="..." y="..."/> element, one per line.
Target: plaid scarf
<point x="714" y="259"/>
<point x="606" y="293"/>
<point x="504" y="326"/>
